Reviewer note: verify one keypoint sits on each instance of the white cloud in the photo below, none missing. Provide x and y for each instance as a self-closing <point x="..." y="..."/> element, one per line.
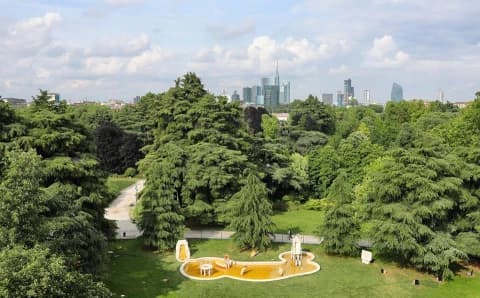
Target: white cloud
<point x="8" y="84"/>
<point x="31" y="35"/>
<point x="102" y="66"/>
<point x="146" y="61"/>
<point x="122" y="2"/>
<point x="120" y="46"/>
<point x="80" y="84"/>
<point x="385" y="54"/>
<point x="42" y="73"/>
<point x="225" y="32"/>
<point x="338" y="70"/>
<point x="262" y="53"/>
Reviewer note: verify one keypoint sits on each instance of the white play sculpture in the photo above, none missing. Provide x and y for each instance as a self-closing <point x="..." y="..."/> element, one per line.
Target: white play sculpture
<point x="296" y="252"/>
<point x="182" y="251"/>
<point x="366" y="256"/>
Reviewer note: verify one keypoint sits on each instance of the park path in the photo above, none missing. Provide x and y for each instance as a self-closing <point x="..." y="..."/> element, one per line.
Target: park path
<point x="120" y="211"/>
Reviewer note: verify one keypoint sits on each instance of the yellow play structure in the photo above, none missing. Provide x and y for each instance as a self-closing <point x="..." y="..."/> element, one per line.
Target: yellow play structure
<point x="293" y="263"/>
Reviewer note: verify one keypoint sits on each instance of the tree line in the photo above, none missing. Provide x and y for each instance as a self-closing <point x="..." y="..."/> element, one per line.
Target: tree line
<point x="405" y="176"/>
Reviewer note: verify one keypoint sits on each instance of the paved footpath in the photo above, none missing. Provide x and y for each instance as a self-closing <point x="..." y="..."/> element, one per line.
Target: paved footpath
<point x="121" y="208"/>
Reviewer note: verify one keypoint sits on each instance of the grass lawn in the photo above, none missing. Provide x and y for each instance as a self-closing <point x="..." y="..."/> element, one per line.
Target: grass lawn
<point x="298" y="221"/>
<point x="135" y="272"/>
<point x="117" y="184"/>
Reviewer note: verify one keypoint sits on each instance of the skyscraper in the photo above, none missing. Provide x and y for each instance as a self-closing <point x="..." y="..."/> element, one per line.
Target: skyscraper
<point x="257" y="95"/>
<point x="340" y="99"/>
<point x="265" y="82"/>
<point x="235" y="96"/>
<point x="285" y="93"/>
<point x="256" y="91"/>
<point x="270" y="95"/>
<point x="247" y="95"/>
<point x="441" y="96"/>
<point x="277" y="77"/>
<point x="327" y="98"/>
<point x="349" y="91"/>
<point x="366" y="97"/>
<point x="397" y="92"/>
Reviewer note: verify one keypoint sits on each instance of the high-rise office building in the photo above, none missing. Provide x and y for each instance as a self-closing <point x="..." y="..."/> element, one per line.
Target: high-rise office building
<point x="366" y="97"/>
<point x="256" y="90"/>
<point x="397" y="92"/>
<point x="235" y="96"/>
<point x="136" y="99"/>
<point x="265" y="82"/>
<point x="257" y="95"/>
<point x="441" y="96"/>
<point x="349" y="91"/>
<point x="327" y="98"/>
<point x="277" y="77"/>
<point x="270" y="95"/>
<point x="260" y="100"/>
<point x="55" y="97"/>
<point x="285" y="93"/>
<point x="340" y="99"/>
<point x="247" y="95"/>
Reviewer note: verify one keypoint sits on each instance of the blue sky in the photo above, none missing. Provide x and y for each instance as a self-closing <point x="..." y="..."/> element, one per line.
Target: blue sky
<point x="121" y="48"/>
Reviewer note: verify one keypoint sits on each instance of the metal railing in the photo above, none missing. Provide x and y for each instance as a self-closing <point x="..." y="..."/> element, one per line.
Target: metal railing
<point x="221" y="235"/>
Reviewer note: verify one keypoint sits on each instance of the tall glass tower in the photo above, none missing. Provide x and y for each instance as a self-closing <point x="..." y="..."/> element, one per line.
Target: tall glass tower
<point x="397" y="92"/>
<point x="277" y="77"/>
<point x="349" y="91"/>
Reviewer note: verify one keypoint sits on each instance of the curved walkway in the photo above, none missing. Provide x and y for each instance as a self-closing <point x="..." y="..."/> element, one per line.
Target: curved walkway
<point x="120" y="211"/>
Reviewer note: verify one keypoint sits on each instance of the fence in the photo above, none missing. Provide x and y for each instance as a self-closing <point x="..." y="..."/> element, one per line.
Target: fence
<point x="128" y="230"/>
<point x="213" y="234"/>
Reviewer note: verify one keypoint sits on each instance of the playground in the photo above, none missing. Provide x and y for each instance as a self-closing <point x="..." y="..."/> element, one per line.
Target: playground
<point x="292" y="263"/>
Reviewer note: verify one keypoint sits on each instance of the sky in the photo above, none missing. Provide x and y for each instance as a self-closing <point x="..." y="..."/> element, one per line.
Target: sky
<point x="97" y="50"/>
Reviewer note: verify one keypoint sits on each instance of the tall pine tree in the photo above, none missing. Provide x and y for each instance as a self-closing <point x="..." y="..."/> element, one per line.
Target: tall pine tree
<point x="250" y="215"/>
<point x="158" y="210"/>
<point x="340" y="227"/>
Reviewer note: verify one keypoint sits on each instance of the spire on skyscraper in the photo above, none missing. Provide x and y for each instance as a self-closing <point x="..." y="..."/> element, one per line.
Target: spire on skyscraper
<point x="277" y="77"/>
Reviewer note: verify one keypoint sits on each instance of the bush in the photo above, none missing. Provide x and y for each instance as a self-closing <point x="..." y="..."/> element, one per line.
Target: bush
<point x="130" y="172"/>
<point x="317" y="204"/>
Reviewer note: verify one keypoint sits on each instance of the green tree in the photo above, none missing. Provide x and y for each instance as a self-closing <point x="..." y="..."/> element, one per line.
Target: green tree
<point x="35" y="272"/>
<point x="340" y="227"/>
<point x="414" y="196"/>
<point x="158" y="210"/>
<point x="91" y="115"/>
<point x="22" y="201"/>
<point x="250" y="215"/>
<point x="253" y="116"/>
<point x="356" y="152"/>
<point x="75" y="191"/>
<point x="116" y="149"/>
<point x="323" y="166"/>
<point x="208" y="141"/>
<point x="311" y="114"/>
<point x="270" y="126"/>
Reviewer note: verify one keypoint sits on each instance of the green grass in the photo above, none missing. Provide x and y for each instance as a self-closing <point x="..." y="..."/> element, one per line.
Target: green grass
<point x="298" y="221"/>
<point x="135" y="272"/>
<point x="116" y="184"/>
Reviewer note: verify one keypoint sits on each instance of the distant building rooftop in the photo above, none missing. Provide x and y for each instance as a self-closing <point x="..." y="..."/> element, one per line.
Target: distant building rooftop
<point x="15" y="102"/>
<point x="461" y="104"/>
<point x="281" y="116"/>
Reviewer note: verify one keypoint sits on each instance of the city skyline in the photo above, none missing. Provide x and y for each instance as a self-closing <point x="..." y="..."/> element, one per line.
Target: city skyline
<point x="100" y="50"/>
